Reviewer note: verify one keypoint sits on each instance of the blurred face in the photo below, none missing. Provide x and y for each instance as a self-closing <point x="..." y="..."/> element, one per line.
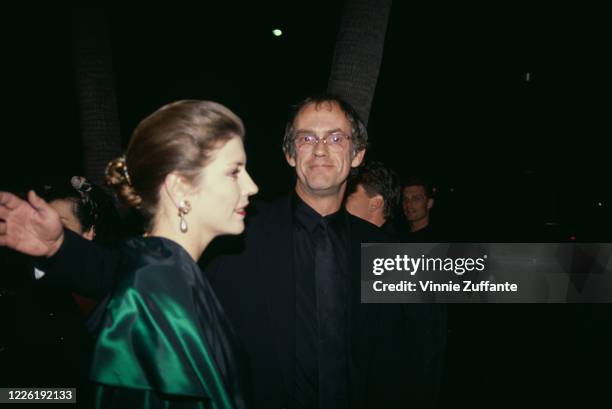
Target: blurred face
<point x="358" y="203"/>
<point x="322" y="168"/>
<point x="219" y="200"/>
<point x="66" y="210"/>
<point x="416" y="204"/>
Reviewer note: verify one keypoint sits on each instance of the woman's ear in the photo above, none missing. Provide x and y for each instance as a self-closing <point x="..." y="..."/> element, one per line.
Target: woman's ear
<point x="176" y="187"/>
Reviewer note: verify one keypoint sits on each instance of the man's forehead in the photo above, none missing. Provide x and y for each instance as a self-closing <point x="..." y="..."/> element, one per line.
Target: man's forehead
<point x="414" y="190"/>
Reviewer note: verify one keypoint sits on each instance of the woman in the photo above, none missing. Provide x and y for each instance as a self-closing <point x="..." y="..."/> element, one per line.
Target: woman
<point x="87" y="211"/>
<point x="83" y="208"/>
<point x="164" y="340"/>
<point x="73" y="202"/>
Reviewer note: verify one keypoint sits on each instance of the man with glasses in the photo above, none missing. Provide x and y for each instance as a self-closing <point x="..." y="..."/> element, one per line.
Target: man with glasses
<point x="311" y="342"/>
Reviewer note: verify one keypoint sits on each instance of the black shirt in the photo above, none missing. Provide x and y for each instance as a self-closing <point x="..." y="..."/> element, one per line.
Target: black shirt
<point x="305" y="235"/>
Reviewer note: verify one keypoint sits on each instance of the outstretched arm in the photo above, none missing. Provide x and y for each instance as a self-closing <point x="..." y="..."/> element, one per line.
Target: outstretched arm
<point x="31" y="227"/>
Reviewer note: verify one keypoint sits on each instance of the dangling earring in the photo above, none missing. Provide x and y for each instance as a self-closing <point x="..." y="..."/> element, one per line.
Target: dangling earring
<point x="184" y="208"/>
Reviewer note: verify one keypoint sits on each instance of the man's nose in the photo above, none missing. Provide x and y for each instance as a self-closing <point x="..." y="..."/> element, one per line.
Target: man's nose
<point x="320" y="148"/>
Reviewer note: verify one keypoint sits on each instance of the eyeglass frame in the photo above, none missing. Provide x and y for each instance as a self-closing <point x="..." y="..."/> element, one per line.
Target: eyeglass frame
<point x="317" y="139"/>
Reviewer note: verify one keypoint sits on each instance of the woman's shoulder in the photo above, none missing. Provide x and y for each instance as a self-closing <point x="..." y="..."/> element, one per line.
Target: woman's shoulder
<point x="154" y="249"/>
<point x="155" y="264"/>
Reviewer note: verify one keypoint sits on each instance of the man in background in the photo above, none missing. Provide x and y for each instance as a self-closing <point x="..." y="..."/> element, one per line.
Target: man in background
<point x="373" y="194"/>
<point x="417" y="202"/>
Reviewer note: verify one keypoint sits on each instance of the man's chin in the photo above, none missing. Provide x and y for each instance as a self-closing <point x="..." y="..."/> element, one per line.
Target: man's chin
<point x="322" y="189"/>
<point x="319" y="183"/>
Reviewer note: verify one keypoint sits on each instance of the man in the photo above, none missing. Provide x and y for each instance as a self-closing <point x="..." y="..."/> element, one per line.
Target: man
<point x="306" y="350"/>
<point x="291" y="283"/>
<point x="417" y="202"/>
<point x="373" y="194"/>
<point x="387" y="364"/>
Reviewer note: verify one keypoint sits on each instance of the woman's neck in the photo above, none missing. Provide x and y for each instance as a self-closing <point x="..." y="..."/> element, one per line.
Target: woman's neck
<point x="194" y="242"/>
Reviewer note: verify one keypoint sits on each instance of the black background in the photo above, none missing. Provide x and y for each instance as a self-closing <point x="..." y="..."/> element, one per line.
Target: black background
<point x="513" y="160"/>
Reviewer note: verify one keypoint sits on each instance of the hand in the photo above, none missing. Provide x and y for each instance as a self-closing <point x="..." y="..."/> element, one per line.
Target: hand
<point x="31" y="227"/>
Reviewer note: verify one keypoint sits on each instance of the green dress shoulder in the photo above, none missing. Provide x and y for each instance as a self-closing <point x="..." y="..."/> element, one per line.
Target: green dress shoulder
<point x="164" y="340"/>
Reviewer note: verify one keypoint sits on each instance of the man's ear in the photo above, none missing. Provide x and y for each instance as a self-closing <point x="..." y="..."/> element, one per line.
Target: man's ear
<point x="376" y="202"/>
<point x="430" y="203"/>
<point x="90" y="234"/>
<point x="290" y="159"/>
<point x="358" y="158"/>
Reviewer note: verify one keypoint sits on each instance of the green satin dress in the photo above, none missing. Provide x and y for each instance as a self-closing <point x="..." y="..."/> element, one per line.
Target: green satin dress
<point x="164" y="340"/>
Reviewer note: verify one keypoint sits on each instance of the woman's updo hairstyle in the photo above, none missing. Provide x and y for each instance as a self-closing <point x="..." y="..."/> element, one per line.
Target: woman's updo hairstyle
<point x="178" y="137"/>
<point x="91" y="206"/>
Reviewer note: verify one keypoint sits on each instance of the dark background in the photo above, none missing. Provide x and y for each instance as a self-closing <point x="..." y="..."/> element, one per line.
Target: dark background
<point x="513" y="160"/>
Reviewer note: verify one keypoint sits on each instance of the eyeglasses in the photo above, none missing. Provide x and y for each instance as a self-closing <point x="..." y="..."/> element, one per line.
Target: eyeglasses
<point x="335" y="140"/>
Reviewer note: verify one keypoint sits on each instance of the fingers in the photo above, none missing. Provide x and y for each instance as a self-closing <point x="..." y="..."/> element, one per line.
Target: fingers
<point x="42" y="207"/>
<point x="5" y="199"/>
<point x="3" y="238"/>
<point x="4" y="213"/>
<point x="36" y="202"/>
<point x="9" y="200"/>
